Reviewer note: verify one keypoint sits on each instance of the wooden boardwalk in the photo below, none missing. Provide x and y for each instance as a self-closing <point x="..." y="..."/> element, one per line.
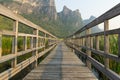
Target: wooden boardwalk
<point x="61" y="64"/>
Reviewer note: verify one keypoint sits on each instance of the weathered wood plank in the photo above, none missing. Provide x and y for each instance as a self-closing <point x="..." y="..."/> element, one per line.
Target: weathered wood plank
<point x="106" y="43"/>
<point x="12" y="71"/>
<point x="61" y="64"/>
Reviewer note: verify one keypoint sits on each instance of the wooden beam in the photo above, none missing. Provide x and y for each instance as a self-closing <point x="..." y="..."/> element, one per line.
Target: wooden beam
<point x="106" y="43"/>
<point x="88" y="42"/>
<point x="31" y="42"/>
<point x="97" y="42"/>
<point x="25" y="43"/>
<point x="14" y="44"/>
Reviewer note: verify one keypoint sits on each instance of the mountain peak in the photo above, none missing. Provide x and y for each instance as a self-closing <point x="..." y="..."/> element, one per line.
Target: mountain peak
<point x="66" y="10"/>
<point x="77" y="10"/>
<point x="92" y="18"/>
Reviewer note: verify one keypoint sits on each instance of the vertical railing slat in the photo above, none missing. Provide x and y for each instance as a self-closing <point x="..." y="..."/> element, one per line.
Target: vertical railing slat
<point x="88" y="45"/>
<point x="97" y="42"/>
<point x="25" y="43"/>
<point x="36" y="46"/>
<point x="106" y="42"/>
<point x="14" y="45"/>
<point x="31" y="42"/>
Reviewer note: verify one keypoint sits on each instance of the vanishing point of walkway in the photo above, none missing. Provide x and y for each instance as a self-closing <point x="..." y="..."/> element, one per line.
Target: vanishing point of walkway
<point x="61" y="64"/>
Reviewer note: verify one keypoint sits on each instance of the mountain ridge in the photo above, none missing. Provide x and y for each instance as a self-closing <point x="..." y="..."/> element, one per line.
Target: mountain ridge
<point x="44" y="14"/>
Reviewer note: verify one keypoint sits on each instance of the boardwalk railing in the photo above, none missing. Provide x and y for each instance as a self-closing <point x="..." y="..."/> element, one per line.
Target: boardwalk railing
<point x="40" y="42"/>
<point x="88" y="44"/>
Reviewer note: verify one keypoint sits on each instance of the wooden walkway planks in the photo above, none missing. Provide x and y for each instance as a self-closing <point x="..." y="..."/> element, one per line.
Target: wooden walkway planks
<point x="61" y="64"/>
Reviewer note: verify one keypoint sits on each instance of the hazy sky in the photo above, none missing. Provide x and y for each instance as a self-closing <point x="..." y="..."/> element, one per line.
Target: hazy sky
<point x="91" y="7"/>
<point x="87" y="7"/>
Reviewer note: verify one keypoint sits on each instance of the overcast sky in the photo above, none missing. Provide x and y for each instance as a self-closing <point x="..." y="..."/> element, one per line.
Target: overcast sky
<point x="90" y="7"/>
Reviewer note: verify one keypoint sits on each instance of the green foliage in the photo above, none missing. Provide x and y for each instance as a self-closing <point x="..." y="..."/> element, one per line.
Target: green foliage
<point x="20" y="44"/>
<point x="54" y="27"/>
<point x="6" y="23"/>
<point x="115" y="66"/>
<point x="24" y="57"/>
<point x="6" y="45"/>
<point x="25" y="29"/>
<point x="113" y="49"/>
<point x="6" y="1"/>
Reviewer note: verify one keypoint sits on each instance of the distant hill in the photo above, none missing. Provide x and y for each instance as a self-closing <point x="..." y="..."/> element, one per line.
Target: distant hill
<point x="94" y="29"/>
<point x="44" y="14"/>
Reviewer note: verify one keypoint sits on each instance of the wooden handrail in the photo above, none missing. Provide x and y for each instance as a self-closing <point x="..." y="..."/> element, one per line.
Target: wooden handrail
<point x="37" y="43"/>
<point x="86" y="42"/>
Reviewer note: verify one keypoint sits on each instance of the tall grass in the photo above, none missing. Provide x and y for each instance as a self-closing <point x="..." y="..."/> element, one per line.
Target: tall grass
<point x="113" y="49"/>
<point x="115" y="66"/>
<point x="7" y="49"/>
<point x="6" y="45"/>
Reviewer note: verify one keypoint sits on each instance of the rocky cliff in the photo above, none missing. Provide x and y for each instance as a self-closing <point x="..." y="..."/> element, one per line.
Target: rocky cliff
<point x="37" y="7"/>
<point x="43" y="13"/>
<point x="71" y="18"/>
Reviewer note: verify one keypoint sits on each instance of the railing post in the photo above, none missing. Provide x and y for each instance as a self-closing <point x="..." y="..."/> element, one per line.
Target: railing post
<point x="83" y="42"/>
<point x="106" y="42"/>
<point x="14" y="44"/>
<point x="73" y="43"/>
<point x="0" y="45"/>
<point x="31" y="42"/>
<point x="80" y="42"/>
<point x="88" y="45"/>
<point x="97" y="42"/>
<point x="91" y="42"/>
<point x="36" y="46"/>
<point x="36" y="53"/>
<point x="25" y="43"/>
<point x="45" y="41"/>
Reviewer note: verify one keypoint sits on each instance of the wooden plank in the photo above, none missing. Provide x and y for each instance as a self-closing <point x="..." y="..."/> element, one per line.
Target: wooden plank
<point x="106" y="43"/>
<point x="109" y="73"/>
<point x="61" y="64"/>
<point x="28" y="35"/>
<point x="7" y="57"/>
<point x="102" y="53"/>
<point x="88" y="45"/>
<point x="15" y="44"/>
<point x="25" y="43"/>
<point x="97" y="42"/>
<point x="12" y="71"/>
<point x="7" y="33"/>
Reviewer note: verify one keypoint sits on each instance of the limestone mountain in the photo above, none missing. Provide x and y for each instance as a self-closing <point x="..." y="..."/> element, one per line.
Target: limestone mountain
<point x="37" y="7"/>
<point x="44" y="14"/>
<point x="71" y="19"/>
